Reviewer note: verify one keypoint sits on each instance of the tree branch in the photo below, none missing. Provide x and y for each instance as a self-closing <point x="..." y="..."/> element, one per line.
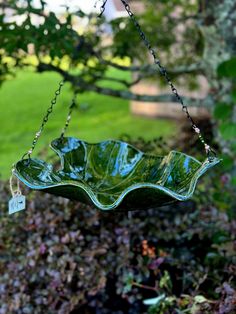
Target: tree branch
<point x="116" y="80"/>
<point x="147" y="71"/>
<point x="152" y="69"/>
<point x="163" y="98"/>
<point x="111" y="79"/>
<point x="82" y="85"/>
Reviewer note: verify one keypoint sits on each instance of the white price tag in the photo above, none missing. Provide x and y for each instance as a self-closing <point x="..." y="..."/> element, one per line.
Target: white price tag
<point x="16" y="204"/>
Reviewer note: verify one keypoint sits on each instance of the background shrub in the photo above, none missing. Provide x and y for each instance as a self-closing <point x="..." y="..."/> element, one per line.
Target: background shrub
<point x="62" y="257"/>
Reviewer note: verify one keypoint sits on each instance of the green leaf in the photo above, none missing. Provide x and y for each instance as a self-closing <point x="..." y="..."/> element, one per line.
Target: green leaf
<point x="227" y="68"/>
<point x="233" y="95"/>
<point x="228" y="131"/>
<point x="165" y="281"/>
<point x="154" y="301"/>
<point x="234" y="180"/>
<point x="222" y="111"/>
<point x="80" y="13"/>
<point x="198" y="299"/>
<point x="233" y="148"/>
<point x="227" y="163"/>
<point x="212" y="255"/>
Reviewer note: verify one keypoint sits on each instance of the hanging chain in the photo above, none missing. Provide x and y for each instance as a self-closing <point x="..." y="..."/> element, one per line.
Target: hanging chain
<point x="209" y="151"/>
<point x="45" y="120"/>
<point x="71" y="108"/>
<point x="102" y="8"/>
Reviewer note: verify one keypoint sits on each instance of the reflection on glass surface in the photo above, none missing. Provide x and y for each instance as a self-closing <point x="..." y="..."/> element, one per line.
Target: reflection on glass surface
<point x="114" y="174"/>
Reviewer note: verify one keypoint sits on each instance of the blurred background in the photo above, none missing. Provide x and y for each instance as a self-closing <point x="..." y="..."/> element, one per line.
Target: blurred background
<point x="59" y="256"/>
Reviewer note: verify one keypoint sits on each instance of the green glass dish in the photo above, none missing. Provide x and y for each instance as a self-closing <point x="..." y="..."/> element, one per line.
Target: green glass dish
<point x="113" y="175"/>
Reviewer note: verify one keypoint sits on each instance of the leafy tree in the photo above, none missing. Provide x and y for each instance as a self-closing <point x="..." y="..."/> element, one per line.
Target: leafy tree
<point x="192" y="38"/>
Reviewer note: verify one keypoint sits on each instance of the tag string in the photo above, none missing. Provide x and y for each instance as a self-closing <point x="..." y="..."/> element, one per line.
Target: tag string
<point x="14" y="192"/>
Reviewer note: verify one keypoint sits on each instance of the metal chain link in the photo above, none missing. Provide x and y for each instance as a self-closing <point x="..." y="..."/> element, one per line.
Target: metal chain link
<point x="209" y="151"/>
<point x="45" y="120"/>
<point x="68" y="119"/>
<point x="102" y="8"/>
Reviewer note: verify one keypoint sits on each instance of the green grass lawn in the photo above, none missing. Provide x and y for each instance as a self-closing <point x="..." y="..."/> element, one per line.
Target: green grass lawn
<point x="24" y="100"/>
